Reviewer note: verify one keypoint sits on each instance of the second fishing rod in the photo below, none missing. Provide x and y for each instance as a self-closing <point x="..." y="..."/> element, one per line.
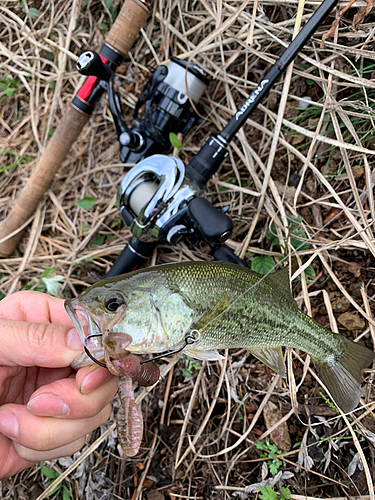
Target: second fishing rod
<point x="159" y="198"/>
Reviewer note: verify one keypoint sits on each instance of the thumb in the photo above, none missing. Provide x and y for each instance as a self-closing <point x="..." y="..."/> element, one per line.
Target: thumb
<point x="48" y="345"/>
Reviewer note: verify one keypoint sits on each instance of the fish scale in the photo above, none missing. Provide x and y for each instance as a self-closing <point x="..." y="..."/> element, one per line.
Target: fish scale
<point x="231" y="307"/>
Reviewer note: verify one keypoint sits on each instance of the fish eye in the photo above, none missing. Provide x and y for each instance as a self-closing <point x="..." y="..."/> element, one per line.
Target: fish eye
<point x="113" y="301"/>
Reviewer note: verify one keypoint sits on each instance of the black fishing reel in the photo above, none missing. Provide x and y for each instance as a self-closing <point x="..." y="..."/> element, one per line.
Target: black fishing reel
<point x="169" y="100"/>
<point x="159" y="204"/>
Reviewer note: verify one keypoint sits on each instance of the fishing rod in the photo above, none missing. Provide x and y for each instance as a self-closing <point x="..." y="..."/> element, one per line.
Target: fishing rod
<point x="118" y="42"/>
<point x="159" y="199"/>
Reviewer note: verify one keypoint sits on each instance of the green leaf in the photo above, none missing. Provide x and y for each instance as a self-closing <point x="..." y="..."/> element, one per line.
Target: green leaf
<point x="33" y="13"/>
<point x="174" y="140"/>
<point x="267" y="493"/>
<point x="262" y="264"/>
<point x="309" y="274"/>
<point x="50" y="473"/>
<point x="186" y="373"/>
<point x="53" y="285"/>
<point x="9" y="92"/>
<point x="294" y="230"/>
<point x="273" y="448"/>
<point x="98" y="242"/>
<point x="284" y="493"/>
<point x="87" y="202"/>
<point x="274" y="466"/>
<point x="55" y="489"/>
<point x="260" y="446"/>
<point x="65" y="493"/>
<point x="47" y="273"/>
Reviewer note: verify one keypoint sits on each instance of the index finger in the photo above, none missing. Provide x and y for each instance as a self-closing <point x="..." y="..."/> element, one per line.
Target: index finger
<point x="38" y="344"/>
<point x="35" y="307"/>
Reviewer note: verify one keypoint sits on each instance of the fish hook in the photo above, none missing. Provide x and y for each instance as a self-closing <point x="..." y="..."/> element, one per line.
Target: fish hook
<point x="189" y="340"/>
<point x="89" y="353"/>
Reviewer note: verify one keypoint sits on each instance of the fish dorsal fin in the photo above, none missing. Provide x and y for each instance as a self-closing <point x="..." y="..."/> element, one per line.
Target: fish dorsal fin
<point x="272" y="357"/>
<point x="281" y="278"/>
<point x="210" y="316"/>
<point x="203" y="355"/>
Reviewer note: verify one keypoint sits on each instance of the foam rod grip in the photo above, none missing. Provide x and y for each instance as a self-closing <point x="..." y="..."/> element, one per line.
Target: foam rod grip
<point x="128" y="24"/>
<point x="58" y="146"/>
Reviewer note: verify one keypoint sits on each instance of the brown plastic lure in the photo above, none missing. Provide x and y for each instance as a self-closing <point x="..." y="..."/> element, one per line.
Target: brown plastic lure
<point x="127" y="367"/>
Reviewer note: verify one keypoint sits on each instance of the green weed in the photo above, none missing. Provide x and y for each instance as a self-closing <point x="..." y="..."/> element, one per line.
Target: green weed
<point x="8" y="85"/>
<point x="191" y="366"/>
<point x="86" y="202"/>
<point x="22" y="159"/>
<point x="264" y="264"/>
<point x="268" y="493"/>
<point x="271" y="452"/>
<point x="53" y="475"/>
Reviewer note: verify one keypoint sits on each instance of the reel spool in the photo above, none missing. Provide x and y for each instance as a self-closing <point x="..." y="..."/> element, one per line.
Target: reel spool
<point x="151" y="194"/>
<point x="170" y="99"/>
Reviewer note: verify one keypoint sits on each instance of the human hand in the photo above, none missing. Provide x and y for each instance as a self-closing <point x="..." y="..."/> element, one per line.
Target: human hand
<point x="46" y="408"/>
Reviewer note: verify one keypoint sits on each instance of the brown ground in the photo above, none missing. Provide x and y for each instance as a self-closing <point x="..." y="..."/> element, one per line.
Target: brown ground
<point x="200" y="444"/>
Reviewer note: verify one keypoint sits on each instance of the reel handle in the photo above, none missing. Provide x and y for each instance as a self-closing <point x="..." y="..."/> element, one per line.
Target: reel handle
<point x="118" y="42"/>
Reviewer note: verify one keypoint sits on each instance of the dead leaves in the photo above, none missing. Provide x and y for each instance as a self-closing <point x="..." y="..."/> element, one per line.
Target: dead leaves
<point x="357" y="19"/>
<point x="362" y="13"/>
<point x="280" y="435"/>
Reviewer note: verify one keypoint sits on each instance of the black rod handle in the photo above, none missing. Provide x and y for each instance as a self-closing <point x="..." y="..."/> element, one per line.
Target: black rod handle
<point x="225" y="254"/>
<point x="134" y="255"/>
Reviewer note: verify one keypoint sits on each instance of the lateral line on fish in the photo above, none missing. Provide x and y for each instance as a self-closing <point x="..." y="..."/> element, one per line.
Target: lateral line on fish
<point x="290" y="254"/>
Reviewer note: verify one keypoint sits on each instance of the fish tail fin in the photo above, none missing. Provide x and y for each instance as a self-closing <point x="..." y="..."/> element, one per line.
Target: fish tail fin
<point x="341" y="373"/>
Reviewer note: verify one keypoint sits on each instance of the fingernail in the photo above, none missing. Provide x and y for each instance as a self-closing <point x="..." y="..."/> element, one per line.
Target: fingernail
<point x="94" y="379"/>
<point x="8" y="424"/>
<point x="48" y="405"/>
<point x="74" y="341"/>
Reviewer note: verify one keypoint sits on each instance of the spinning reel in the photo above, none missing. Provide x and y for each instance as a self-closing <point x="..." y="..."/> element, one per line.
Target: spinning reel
<point x="170" y="100"/>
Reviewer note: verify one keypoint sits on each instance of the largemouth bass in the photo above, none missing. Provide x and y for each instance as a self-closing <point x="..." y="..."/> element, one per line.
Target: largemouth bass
<point x="220" y="305"/>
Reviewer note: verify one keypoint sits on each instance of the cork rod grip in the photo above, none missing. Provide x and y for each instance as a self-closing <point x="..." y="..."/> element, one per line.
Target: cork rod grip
<point x="120" y="38"/>
<point x="58" y="146"/>
<point x="128" y="24"/>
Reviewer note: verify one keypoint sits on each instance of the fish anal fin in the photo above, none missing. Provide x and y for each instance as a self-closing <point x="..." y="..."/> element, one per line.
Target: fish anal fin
<point x="341" y="373"/>
<point x="210" y="316"/>
<point x="270" y="356"/>
<point x="203" y="355"/>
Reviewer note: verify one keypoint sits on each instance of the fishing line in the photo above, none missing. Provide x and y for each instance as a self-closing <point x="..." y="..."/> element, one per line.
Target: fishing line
<point x="190" y="338"/>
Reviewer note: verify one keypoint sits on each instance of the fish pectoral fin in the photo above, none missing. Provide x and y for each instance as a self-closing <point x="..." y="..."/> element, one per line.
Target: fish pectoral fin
<point x="272" y="357"/>
<point x="210" y="316"/>
<point x="203" y="355"/>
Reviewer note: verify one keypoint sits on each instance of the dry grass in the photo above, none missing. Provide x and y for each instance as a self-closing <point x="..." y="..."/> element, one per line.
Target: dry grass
<point x="316" y="164"/>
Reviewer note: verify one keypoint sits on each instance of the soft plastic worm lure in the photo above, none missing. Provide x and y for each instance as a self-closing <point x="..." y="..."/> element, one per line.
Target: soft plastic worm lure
<point x="129" y="369"/>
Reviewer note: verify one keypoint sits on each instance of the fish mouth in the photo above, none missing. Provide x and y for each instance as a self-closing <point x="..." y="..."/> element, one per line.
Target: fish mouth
<point x="84" y="323"/>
